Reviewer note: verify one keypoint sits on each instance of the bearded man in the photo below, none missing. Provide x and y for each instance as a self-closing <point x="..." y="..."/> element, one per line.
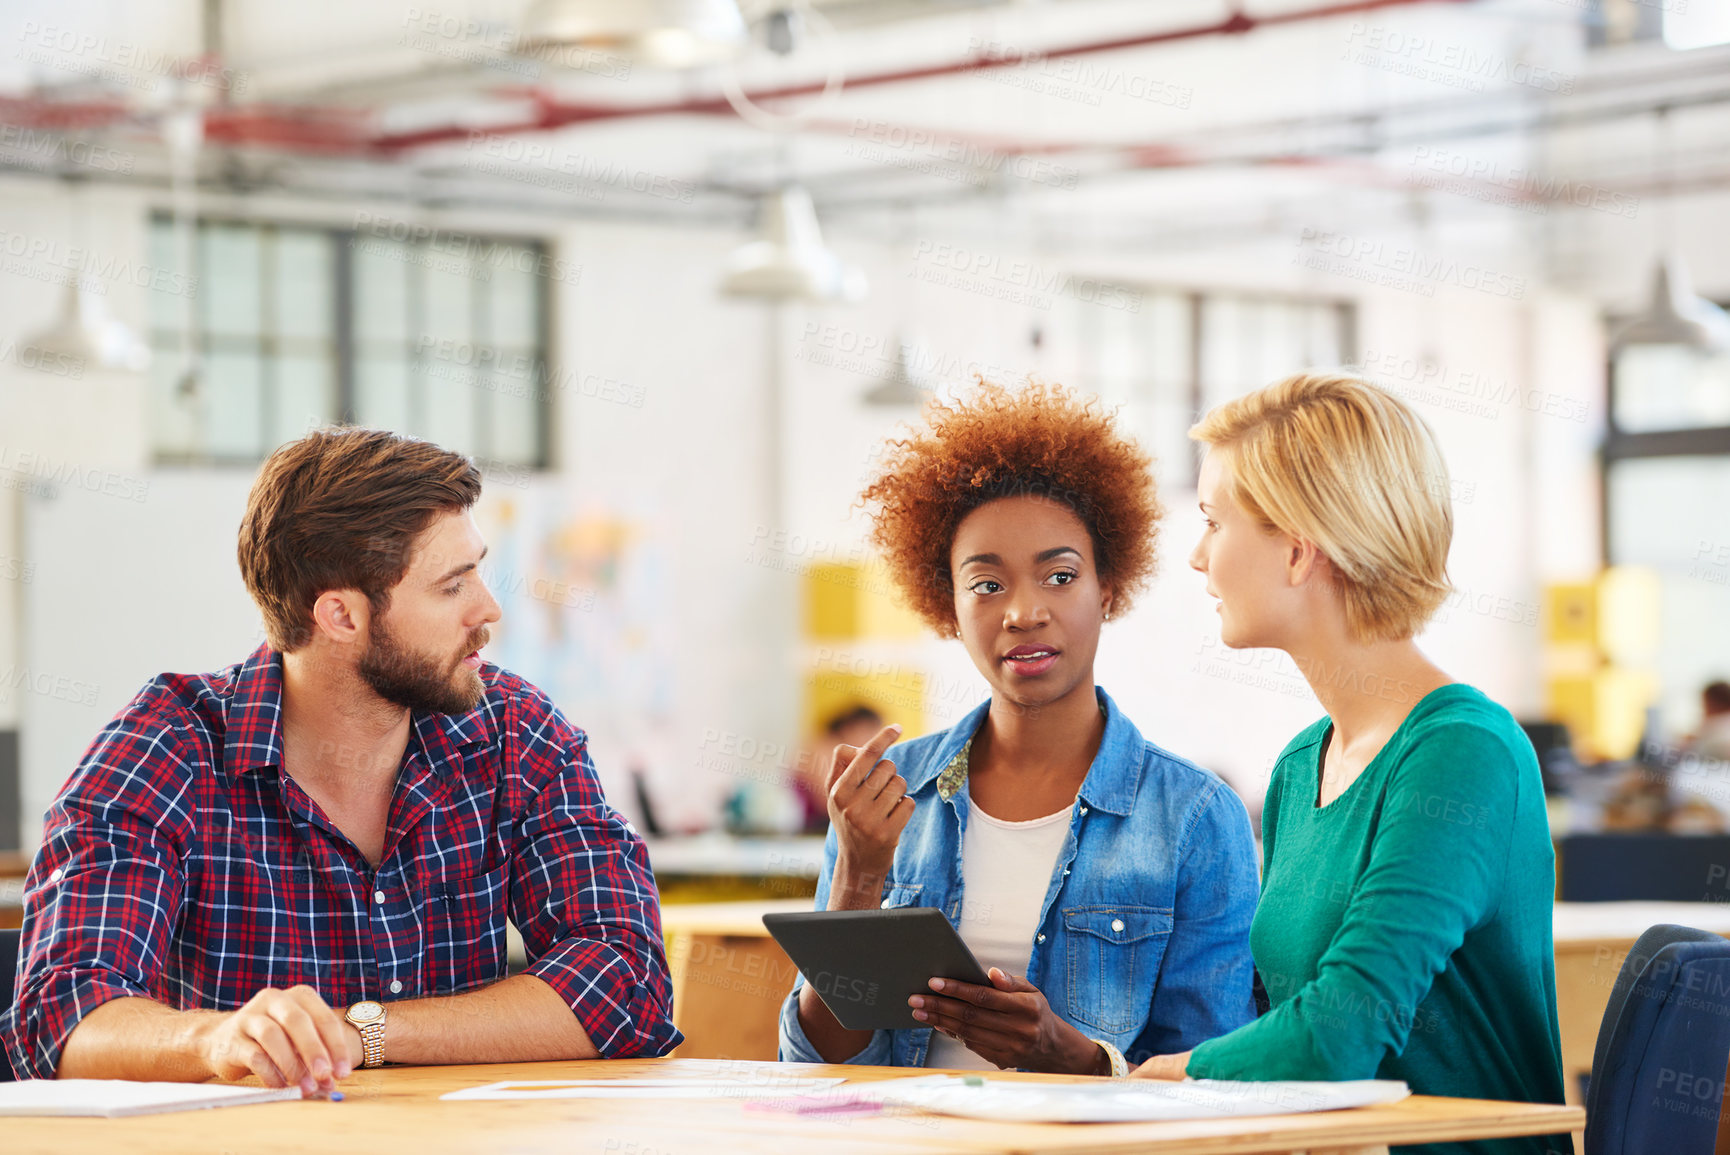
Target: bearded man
<point x="304" y="864"/>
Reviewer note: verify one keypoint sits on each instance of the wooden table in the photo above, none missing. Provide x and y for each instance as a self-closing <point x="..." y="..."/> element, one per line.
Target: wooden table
<point x="398" y="1108"/>
<point x="729" y="977"/>
<point x="718" y="867"/>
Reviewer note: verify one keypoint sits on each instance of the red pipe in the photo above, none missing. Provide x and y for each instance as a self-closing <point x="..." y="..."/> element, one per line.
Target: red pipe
<point x="554" y="115"/>
<point x="332" y="131"/>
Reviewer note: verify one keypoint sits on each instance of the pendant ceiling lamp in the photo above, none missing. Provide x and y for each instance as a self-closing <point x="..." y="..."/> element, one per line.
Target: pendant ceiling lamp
<point x="789" y="261"/>
<point x="1677" y="316"/>
<point x="84" y="334"/>
<point x="660" y="33"/>
<point x="903" y="386"/>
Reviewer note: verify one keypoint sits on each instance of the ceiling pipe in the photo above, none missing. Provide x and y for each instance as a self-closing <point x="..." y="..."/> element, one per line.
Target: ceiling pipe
<point x="555" y="115"/>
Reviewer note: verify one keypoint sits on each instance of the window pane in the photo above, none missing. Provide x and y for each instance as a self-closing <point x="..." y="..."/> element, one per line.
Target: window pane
<point x="1223" y="374"/>
<point x="380" y="291"/>
<point x="1274" y="343"/>
<point x="173" y="424"/>
<point x="1673" y="514"/>
<point x="1670" y="387"/>
<point x="303" y="285"/>
<point x="449" y="310"/>
<point x="304" y="397"/>
<point x="1322" y="337"/>
<point x="1168" y="329"/>
<point x="229" y="284"/>
<point x="233" y="383"/>
<point x="381" y="384"/>
<point x="167" y="309"/>
<point x="448" y="409"/>
<point x="512" y="310"/>
<point x="513" y="418"/>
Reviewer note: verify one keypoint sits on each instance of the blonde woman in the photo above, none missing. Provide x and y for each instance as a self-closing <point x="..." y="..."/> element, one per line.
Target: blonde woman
<point x="1403" y="930"/>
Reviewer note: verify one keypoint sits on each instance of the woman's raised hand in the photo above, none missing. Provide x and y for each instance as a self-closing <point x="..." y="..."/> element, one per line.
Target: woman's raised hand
<point x="869" y="808"/>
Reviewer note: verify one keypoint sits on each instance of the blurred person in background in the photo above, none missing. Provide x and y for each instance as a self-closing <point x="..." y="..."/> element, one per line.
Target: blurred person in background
<point x="1105" y="884"/>
<point x="851" y="727"/>
<point x="1712" y="739"/>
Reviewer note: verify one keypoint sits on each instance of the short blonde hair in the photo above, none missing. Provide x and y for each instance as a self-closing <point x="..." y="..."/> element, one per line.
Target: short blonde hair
<point x="1336" y="461"/>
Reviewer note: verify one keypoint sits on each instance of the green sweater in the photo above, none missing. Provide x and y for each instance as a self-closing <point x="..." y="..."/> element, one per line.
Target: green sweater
<point x="1404" y="928"/>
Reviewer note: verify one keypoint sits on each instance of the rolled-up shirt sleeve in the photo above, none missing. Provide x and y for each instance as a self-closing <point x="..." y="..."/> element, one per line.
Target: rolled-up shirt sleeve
<point x="102" y="898"/>
<point x="584" y="898"/>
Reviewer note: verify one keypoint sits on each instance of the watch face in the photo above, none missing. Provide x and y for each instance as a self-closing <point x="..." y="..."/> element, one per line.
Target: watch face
<point x="365" y="1012"/>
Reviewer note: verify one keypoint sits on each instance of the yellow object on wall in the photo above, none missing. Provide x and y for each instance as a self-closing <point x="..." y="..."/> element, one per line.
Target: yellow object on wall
<point x="856" y="632"/>
<point x="1605" y="710"/>
<point x="852" y="602"/>
<point x="1601" y="637"/>
<point x="1571" y="613"/>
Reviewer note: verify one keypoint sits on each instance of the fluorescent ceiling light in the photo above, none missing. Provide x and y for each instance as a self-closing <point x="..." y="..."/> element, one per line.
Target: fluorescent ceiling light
<point x="664" y="33"/>
<point x="790" y="261"/>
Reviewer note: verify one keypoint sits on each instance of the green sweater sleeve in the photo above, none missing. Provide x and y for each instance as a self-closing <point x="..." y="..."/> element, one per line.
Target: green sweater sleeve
<point x="1436" y="866"/>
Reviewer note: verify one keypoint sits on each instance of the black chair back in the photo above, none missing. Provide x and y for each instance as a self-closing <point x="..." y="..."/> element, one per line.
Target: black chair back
<point x="10" y="941"/>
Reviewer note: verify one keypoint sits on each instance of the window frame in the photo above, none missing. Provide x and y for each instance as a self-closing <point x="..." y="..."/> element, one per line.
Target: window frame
<point x="343" y="345"/>
<point x="1621" y="445"/>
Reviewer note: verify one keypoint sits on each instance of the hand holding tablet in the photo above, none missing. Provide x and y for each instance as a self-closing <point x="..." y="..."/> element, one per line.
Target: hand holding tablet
<point x="866" y="964"/>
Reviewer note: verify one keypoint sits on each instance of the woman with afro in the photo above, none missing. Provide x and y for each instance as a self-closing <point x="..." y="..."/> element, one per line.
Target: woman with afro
<point x="1106" y="885"/>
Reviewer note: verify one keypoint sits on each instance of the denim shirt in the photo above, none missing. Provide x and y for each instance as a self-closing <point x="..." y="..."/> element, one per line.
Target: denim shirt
<point x="1143" y="937"/>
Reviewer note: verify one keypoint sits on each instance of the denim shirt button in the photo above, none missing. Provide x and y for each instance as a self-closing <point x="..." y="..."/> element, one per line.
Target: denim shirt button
<point x="1117" y="925"/>
<point x="1041" y="938"/>
<point x="1084" y="811"/>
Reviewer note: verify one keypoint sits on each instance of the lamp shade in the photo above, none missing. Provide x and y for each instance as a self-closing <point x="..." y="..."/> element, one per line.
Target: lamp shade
<point x="790" y="261"/>
<point x="663" y="33"/>
<point x="84" y="334"/>
<point x="902" y="386"/>
<point x="1676" y="316"/>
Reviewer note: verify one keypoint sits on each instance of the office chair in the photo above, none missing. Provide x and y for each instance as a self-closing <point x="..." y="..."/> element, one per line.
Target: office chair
<point x="1658" y="1069"/>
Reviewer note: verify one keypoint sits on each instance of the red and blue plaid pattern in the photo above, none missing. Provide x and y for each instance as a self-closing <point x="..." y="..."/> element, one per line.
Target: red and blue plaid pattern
<point x="181" y="864"/>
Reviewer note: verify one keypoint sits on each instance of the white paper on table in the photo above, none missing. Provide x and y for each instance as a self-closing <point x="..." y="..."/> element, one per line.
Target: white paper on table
<point x="1118" y="1101"/>
<point x="768" y="1088"/>
<point x="114" y="1098"/>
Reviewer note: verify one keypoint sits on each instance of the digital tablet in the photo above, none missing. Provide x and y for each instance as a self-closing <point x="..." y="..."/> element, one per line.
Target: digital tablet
<point x="864" y="964"/>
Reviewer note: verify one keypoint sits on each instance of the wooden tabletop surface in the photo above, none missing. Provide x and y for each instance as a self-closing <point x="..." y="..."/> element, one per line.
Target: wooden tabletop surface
<point x="744" y="919"/>
<point x="398" y="1108"/>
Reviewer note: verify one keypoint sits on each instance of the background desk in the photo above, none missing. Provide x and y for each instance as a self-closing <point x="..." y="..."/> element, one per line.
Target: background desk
<point x="398" y="1108"/>
<point x="729" y="977"/>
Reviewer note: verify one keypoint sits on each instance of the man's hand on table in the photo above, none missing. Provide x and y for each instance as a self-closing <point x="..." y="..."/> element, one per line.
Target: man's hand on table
<point x="1169" y="1067"/>
<point x="284" y="1037"/>
<point x="1011" y="1024"/>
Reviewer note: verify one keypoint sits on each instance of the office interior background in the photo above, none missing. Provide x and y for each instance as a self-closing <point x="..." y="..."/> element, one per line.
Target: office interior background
<point x="672" y="272"/>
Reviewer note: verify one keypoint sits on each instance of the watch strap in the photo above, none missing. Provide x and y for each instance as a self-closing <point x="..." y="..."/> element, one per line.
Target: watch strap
<point x="372" y="1044"/>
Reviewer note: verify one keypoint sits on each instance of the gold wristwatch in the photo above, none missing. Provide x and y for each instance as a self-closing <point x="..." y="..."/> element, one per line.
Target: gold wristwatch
<point x="367" y="1017"/>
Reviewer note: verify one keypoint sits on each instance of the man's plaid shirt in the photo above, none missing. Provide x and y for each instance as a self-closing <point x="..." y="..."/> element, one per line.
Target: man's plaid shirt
<point x="181" y="864"/>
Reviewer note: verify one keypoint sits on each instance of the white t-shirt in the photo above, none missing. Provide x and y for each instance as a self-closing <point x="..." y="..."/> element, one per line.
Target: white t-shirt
<point x="1005" y="871"/>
